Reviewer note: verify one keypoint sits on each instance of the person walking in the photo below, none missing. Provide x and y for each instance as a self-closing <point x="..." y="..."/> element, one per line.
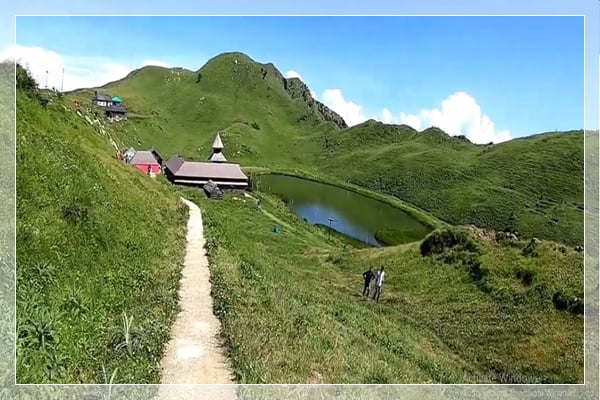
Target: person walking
<point x="378" y="284"/>
<point x="368" y="276"/>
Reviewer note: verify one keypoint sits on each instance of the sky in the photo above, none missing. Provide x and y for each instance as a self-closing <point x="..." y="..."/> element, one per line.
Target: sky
<point x="489" y="78"/>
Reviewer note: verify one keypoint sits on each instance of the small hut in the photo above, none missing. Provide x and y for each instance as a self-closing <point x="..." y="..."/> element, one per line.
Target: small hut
<point x="101" y="100"/>
<point x="146" y="162"/>
<point x="116" y="112"/>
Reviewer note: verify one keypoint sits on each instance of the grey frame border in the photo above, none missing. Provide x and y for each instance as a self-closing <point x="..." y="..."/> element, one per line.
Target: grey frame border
<point x="8" y="390"/>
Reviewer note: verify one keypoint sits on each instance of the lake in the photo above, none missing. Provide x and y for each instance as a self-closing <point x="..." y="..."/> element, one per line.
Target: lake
<point x="349" y="213"/>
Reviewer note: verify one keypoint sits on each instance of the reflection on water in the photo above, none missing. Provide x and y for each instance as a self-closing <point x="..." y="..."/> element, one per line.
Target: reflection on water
<point x="351" y="214"/>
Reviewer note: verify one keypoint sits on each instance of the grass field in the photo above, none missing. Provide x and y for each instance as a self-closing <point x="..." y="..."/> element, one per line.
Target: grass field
<point x="100" y="245"/>
<point x="299" y="291"/>
<point x="533" y="185"/>
<point x="99" y="252"/>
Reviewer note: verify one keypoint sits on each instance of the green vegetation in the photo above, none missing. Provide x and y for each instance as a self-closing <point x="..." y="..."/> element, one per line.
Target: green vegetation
<point x="533" y="185"/>
<point x="99" y="252"/>
<point x="475" y="311"/>
<point x="100" y="245"/>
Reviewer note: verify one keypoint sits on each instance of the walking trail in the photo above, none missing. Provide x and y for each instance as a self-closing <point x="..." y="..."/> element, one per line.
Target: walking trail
<point x="194" y="355"/>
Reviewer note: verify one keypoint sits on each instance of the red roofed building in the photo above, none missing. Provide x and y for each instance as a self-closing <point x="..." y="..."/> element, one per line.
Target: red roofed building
<point x="146" y="162"/>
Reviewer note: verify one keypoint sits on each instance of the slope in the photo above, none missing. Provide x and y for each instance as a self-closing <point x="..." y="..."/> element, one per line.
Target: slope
<point x="99" y="253"/>
<point x="179" y="111"/>
<point x="485" y="316"/>
<point x="533" y="185"/>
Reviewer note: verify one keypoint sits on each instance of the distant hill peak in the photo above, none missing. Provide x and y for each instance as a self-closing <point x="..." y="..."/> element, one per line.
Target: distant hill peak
<point x="299" y="90"/>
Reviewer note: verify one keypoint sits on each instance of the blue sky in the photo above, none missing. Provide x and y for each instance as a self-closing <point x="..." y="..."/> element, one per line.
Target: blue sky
<point x="488" y="77"/>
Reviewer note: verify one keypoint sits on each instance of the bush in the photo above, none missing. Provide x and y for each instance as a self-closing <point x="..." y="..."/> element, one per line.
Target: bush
<point x="255" y="125"/>
<point x="75" y="213"/>
<point x="476" y="272"/>
<point x="440" y="241"/>
<point x="525" y="276"/>
<point x="24" y="80"/>
<point x="576" y="306"/>
<point x="560" y="301"/>
<point x="530" y="250"/>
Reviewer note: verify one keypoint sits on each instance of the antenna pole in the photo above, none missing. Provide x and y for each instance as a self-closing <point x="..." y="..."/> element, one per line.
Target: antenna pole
<point x="62" y="80"/>
<point x="46" y="79"/>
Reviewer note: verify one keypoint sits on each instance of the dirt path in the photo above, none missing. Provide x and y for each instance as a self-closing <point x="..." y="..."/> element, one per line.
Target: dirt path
<point x="193" y="354"/>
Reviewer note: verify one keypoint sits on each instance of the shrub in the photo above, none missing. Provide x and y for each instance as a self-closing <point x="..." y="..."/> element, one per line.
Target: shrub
<point x="255" y="125"/>
<point x="440" y="241"/>
<point x="24" y="80"/>
<point x="476" y="272"/>
<point x="75" y="213"/>
<point x="530" y="250"/>
<point x="525" y="276"/>
<point x="576" y="306"/>
<point x="560" y="302"/>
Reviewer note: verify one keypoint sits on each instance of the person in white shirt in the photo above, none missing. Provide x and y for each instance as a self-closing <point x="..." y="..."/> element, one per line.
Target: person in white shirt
<point x="378" y="284"/>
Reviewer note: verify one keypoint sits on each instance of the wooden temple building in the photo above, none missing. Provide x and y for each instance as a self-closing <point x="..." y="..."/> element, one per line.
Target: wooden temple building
<point x="218" y="170"/>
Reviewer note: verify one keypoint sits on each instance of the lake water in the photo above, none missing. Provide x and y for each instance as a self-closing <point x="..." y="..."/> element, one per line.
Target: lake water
<point x="345" y="211"/>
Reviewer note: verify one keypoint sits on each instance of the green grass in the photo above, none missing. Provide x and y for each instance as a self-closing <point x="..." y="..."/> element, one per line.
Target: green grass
<point x="99" y="252"/>
<point x="538" y="180"/>
<point x="435" y="323"/>
<point x="98" y="263"/>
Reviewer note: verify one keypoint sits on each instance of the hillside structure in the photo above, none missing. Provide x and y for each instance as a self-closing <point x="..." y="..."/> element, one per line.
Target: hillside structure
<point x="225" y="175"/>
<point x="101" y="100"/>
<point x="116" y="112"/>
<point x="114" y="108"/>
<point x="146" y="162"/>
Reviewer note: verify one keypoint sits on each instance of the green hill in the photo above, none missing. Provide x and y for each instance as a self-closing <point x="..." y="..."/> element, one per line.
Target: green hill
<point x="481" y="316"/>
<point x="93" y="251"/>
<point x="98" y="245"/>
<point x="533" y="185"/>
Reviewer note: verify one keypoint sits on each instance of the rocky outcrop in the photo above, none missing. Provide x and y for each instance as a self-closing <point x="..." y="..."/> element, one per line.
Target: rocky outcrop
<point x="212" y="190"/>
<point x="298" y="90"/>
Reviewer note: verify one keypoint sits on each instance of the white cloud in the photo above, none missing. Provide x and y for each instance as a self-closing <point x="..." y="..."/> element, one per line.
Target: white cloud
<point x="459" y="115"/>
<point x="386" y="116"/>
<point x="79" y="72"/>
<point x="411" y="120"/>
<point x="293" y="74"/>
<point x="351" y="112"/>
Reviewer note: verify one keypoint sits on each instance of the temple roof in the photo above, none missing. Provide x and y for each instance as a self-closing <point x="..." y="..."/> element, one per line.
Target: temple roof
<point x="217" y="144"/>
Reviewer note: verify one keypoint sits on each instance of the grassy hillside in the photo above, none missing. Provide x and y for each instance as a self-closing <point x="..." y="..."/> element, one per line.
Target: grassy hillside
<point x="100" y="243"/>
<point x="99" y="252"/>
<point x="486" y="316"/>
<point x="533" y="185"/>
<point x="179" y="111"/>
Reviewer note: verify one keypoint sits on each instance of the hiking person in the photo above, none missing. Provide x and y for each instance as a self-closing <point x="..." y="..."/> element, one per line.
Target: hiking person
<point x="368" y="276"/>
<point x="378" y="284"/>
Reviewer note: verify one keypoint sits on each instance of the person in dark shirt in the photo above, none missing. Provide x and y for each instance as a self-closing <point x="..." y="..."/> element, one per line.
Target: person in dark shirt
<point x="368" y="276"/>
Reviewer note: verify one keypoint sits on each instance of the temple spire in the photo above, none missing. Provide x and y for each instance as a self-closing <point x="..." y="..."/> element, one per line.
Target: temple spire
<point x="217" y="155"/>
<point x="217" y="144"/>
